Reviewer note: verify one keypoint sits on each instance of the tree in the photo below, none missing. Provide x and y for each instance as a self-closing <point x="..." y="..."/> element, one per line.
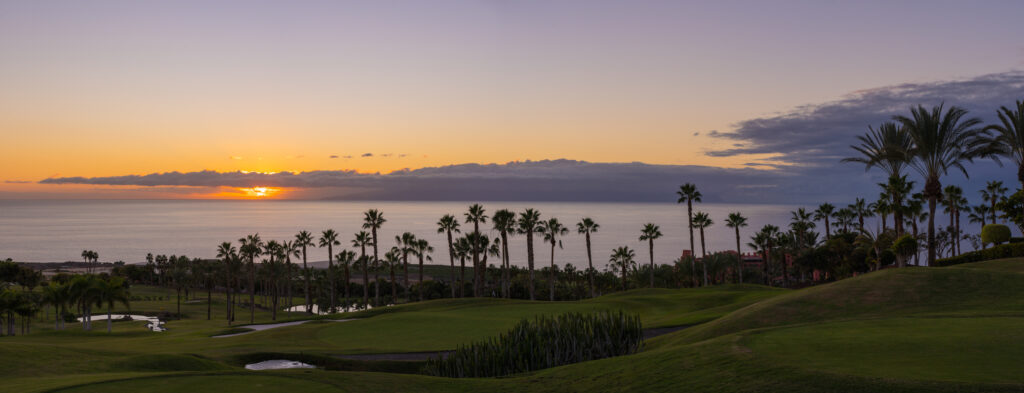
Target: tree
<point x="886" y="148"/>
<point x="823" y="213"/>
<point x="978" y="214"/>
<point x="553" y="230"/>
<point x="940" y="142"/>
<point x="58" y="295"/>
<point x="448" y="224"/>
<point x="587" y="226"/>
<point x="345" y="258"/>
<point x="423" y="249"/>
<point x="476" y="215"/>
<point x="688" y="193"/>
<point x="393" y="257"/>
<point x="527" y="224"/>
<point x="373" y="219"/>
<point x="993" y="193"/>
<point x="1008" y="138"/>
<point x="251" y="247"/>
<point x="504" y="221"/>
<point x="737" y="221"/>
<point x="112" y="291"/>
<point x="463" y="250"/>
<point x="701" y="220"/>
<point x="329" y="239"/>
<point x="361" y="240"/>
<point x="289" y="248"/>
<point x="304" y="239"/>
<point x="953" y="200"/>
<point x="765" y="240"/>
<point x="650" y="232"/>
<point x="406" y="243"/>
<point x="622" y="259"/>
<point x="226" y="252"/>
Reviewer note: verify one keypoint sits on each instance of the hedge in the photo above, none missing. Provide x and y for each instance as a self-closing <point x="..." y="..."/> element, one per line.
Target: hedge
<point x="1011" y="250"/>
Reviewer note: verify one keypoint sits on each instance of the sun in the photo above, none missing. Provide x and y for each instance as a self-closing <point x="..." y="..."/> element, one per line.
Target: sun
<point x="259" y="192"/>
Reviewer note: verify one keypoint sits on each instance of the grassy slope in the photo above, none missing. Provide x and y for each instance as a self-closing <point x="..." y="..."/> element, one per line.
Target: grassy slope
<point x="950" y="329"/>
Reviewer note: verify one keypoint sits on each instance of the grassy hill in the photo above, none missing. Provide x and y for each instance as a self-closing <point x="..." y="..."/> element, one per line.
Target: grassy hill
<point x="919" y="329"/>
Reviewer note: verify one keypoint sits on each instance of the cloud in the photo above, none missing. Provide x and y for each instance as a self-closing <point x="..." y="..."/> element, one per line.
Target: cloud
<point x="402" y="155"/>
<point x="386" y="155"/>
<point x="18" y="181"/>
<point x="347" y="157"/>
<point x="333" y="156"/>
<point x="821" y="134"/>
<point x="367" y="155"/>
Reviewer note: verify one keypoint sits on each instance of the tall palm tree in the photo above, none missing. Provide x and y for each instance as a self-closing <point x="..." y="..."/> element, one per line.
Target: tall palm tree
<point x="886" y="148"/>
<point x="823" y="213"/>
<point x="801" y="223"/>
<point x="688" y="193"/>
<point x="527" y="224"/>
<point x="476" y="215"/>
<point x="423" y="249"/>
<point x="587" y="226"/>
<point x="361" y="240"/>
<point x="978" y="215"/>
<point x="861" y="210"/>
<point x="953" y="200"/>
<point x="393" y="257"/>
<point x="290" y="249"/>
<point x="737" y="221"/>
<point x="504" y="221"/>
<point x="1008" y="137"/>
<point x="329" y="239"/>
<point x="914" y="214"/>
<point x="251" y="247"/>
<point x="110" y="292"/>
<point x="650" y="232"/>
<point x="345" y="258"/>
<point x="941" y="141"/>
<point x="701" y="220"/>
<point x="766" y="239"/>
<point x="448" y="224"/>
<point x="622" y="258"/>
<point x="304" y="239"/>
<point x="226" y="253"/>
<point x="882" y="207"/>
<point x="553" y="230"/>
<point x="406" y="243"/>
<point x="993" y="193"/>
<point x="463" y="249"/>
<point x="373" y="219"/>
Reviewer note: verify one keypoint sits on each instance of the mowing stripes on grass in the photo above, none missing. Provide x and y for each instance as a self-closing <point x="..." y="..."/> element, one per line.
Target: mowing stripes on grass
<point x="542" y="343"/>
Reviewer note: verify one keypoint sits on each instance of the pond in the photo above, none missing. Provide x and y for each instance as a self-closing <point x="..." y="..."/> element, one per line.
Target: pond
<point x="152" y="323"/>
<point x="277" y="364"/>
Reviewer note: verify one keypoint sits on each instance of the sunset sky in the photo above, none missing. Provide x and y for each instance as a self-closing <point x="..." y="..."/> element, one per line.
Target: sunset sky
<point x="112" y="88"/>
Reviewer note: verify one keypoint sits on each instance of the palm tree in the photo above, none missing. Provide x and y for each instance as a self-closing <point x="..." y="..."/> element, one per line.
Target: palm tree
<point x="111" y="291"/>
<point x="1008" y="137"/>
<point x="422" y="248"/>
<point x="393" y="257"/>
<point x="587" y="226"/>
<point x="504" y="221"/>
<point x="553" y="230"/>
<point x="373" y="219"/>
<point x="766" y="241"/>
<point x="650" y="232"/>
<point x="329" y="239"/>
<point x="226" y="253"/>
<point x="289" y="248"/>
<point x="527" y="224"/>
<point x="978" y="214"/>
<point x="941" y="141"/>
<point x="914" y="214"/>
<point x="953" y="200"/>
<point x="57" y="295"/>
<point x="886" y="148"/>
<point x="823" y="213"/>
<point x="448" y="224"/>
<point x="701" y="220"/>
<point x="462" y="250"/>
<point x="304" y="239"/>
<point x="801" y="224"/>
<point x="406" y="242"/>
<point x="688" y="193"/>
<point x="476" y="216"/>
<point x="361" y="240"/>
<point x="737" y="221"/>
<point x="622" y="258"/>
<point x="251" y="247"/>
<point x="993" y="193"/>
<point x="346" y="257"/>
<point x="861" y="209"/>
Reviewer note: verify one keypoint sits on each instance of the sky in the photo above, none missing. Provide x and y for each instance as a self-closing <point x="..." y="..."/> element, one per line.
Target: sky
<point x="756" y="99"/>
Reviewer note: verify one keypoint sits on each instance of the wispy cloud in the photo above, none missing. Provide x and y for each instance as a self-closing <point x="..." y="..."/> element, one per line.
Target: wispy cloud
<point x="367" y="155"/>
<point x="333" y="156"/>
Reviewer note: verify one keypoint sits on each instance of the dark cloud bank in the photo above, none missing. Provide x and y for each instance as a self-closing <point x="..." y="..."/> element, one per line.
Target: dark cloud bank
<point x="809" y="142"/>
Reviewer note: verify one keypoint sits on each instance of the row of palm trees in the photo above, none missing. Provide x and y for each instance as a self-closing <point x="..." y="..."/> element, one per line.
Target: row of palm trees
<point x="80" y="293"/>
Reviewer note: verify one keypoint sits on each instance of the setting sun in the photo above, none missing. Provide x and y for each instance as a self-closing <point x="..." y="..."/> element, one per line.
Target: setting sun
<point x="259" y="192"/>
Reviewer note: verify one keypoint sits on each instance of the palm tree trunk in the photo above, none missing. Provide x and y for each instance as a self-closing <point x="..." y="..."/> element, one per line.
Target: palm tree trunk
<point x="739" y="255"/>
<point x="110" y="326"/>
<point x="529" y="259"/>
<point x="703" y="257"/>
<point x="462" y="276"/>
<point x="693" y="250"/>
<point x="476" y="261"/>
<point x="421" y="278"/>
<point x="305" y="270"/>
<point x="366" y="275"/>
<point x="405" y="266"/>
<point x="958" y="249"/>
<point x="252" y="290"/>
<point x="931" y="230"/>
<point x="330" y="275"/>
<point x="451" y="260"/>
<point x="650" y="248"/>
<point x="552" y="285"/>
<point x="394" y="285"/>
<point x="590" y="264"/>
<point x="209" y="301"/>
<point x="376" y="274"/>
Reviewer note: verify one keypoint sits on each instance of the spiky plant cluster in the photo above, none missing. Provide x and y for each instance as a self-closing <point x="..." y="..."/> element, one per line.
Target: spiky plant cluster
<point x="542" y="343"/>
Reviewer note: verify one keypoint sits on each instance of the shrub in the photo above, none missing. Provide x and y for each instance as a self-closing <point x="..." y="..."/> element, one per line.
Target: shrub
<point x="1011" y="250"/>
<point x="544" y="342"/>
<point x="995" y="234"/>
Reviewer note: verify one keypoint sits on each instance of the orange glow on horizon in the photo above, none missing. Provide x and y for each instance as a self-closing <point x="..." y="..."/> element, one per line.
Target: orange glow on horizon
<point x="258" y="192"/>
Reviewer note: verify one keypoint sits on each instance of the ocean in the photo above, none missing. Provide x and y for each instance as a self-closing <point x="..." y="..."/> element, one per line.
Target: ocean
<point x="126" y="230"/>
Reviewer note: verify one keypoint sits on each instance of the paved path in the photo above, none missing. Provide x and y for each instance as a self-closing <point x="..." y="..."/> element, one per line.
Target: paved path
<point x="266" y="326"/>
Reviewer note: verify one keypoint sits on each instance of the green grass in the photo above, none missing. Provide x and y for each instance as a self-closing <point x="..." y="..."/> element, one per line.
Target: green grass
<point x="955" y="329"/>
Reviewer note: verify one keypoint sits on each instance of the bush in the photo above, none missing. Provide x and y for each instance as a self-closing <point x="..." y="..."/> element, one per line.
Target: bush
<point x="995" y="234"/>
<point x="542" y="343"/>
<point x="1011" y="250"/>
